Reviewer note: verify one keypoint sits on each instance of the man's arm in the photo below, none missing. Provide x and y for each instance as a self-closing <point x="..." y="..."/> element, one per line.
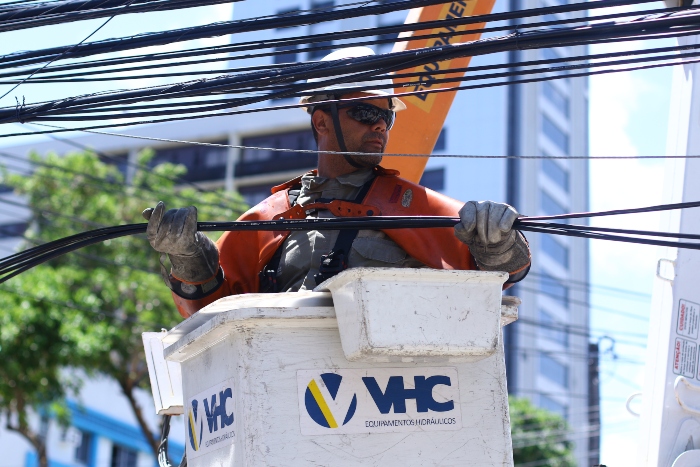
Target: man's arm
<point x="196" y="278"/>
<point x="487" y="228"/>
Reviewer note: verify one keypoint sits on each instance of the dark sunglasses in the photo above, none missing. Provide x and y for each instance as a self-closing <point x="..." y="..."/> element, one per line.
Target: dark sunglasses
<point x="369" y="114"/>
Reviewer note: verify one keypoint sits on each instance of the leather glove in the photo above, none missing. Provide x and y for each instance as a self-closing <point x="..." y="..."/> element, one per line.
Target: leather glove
<point x="486" y="226"/>
<point x="193" y="256"/>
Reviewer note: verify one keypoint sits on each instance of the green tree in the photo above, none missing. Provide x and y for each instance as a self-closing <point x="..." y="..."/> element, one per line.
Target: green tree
<point x="87" y="309"/>
<point x="539" y="436"/>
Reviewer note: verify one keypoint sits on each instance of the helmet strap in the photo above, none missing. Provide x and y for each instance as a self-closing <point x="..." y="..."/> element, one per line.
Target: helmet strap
<point x="339" y="136"/>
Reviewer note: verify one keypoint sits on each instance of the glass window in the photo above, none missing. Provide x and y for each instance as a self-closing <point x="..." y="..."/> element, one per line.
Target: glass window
<point x="433" y="179"/>
<point x="551" y="287"/>
<point x="290" y="56"/>
<point x="120" y="160"/>
<point x="202" y="162"/>
<point x="322" y="49"/>
<point x="552" y="330"/>
<point x="555" y="250"/>
<point x="549" y="206"/>
<point x="322" y="5"/>
<point x="555" y="134"/>
<point x="257" y="158"/>
<point x="5" y="188"/>
<point x="16" y="229"/>
<point x="555" y="172"/>
<point x="556" y="97"/>
<point x="554" y="371"/>
<point x="441" y="142"/>
<point x="82" y="450"/>
<point x="391" y="37"/>
<point x="123" y="457"/>
<point x="550" y="404"/>
<point x="255" y="193"/>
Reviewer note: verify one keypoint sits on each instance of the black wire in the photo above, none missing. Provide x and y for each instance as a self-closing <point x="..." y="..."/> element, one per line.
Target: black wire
<point x="355" y="69"/>
<point x="216" y="104"/>
<point x="212" y="30"/>
<point x="305" y="40"/>
<point x="19" y="262"/>
<point x="403" y="94"/>
<point x="43" y="14"/>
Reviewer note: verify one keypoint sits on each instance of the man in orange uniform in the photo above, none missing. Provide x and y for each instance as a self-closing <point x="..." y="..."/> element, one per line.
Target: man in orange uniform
<point x="343" y="185"/>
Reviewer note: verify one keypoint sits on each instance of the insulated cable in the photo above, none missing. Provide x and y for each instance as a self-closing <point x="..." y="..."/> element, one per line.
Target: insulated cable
<point x="445" y="25"/>
<point x="349" y="70"/>
<point x="22" y="261"/>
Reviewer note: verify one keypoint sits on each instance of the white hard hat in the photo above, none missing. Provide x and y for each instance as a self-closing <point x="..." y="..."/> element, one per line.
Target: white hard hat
<point x="360" y="86"/>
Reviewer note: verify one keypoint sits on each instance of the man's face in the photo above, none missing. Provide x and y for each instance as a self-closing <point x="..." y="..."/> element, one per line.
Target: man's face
<point x="360" y="137"/>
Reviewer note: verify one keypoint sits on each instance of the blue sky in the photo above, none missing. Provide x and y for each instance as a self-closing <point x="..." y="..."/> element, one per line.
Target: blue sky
<point x="628" y="116"/>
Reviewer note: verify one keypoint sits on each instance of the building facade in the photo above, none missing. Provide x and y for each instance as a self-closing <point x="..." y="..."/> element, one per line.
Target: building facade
<point x="548" y="348"/>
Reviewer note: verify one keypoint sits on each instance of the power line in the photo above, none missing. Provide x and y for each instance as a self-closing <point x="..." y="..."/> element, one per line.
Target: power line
<point x="356" y="68"/>
<point x="26" y="16"/>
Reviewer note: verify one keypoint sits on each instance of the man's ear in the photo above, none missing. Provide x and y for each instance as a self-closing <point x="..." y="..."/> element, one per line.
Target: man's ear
<point x="321" y="121"/>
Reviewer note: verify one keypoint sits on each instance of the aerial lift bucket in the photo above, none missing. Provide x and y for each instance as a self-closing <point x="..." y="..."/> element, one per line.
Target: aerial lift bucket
<point x="376" y="366"/>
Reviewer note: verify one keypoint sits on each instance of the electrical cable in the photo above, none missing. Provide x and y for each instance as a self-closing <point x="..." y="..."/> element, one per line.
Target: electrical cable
<point x="431" y="91"/>
<point x="298" y="40"/>
<point x="672" y="24"/>
<point x="15" y="264"/>
<point x="57" y="12"/>
<point x="215" y="30"/>
<point x="67" y="51"/>
<point x="311" y="151"/>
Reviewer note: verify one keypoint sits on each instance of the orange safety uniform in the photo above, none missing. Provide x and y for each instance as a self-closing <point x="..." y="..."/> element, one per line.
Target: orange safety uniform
<point x="243" y="254"/>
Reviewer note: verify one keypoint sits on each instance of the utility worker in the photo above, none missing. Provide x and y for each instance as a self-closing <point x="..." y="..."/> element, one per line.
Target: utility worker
<point x="343" y="185"/>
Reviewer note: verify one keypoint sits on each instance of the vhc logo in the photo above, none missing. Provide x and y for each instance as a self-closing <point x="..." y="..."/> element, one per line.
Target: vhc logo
<point x="378" y="400"/>
<point x="209" y="416"/>
<point x="323" y="403"/>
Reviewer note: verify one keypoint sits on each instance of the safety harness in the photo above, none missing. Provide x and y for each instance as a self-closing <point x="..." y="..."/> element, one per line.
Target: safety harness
<point x="331" y="264"/>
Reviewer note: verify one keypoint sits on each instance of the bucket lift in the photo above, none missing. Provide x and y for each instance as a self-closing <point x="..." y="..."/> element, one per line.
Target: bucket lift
<point x="377" y="365"/>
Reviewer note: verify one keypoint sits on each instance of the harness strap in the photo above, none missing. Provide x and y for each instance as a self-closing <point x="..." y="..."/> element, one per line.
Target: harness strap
<point x="339" y="136"/>
<point x="332" y="263"/>
<point x="337" y="260"/>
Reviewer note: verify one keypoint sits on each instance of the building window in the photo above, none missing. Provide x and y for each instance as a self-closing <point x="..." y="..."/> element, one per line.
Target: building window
<point x="202" y="162"/>
<point x="555" y="172"/>
<point x="121" y="161"/>
<point x="554" y="371"/>
<point x="556" y="97"/>
<point x="321" y="50"/>
<point x="291" y="54"/>
<point x="289" y="12"/>
<point x="554" y="289"/>
<point x="82" y="450"/>
<point x="552" y="330"/>
<point x="441" y="142"/>
<point x="5" y="188"/>
<point x="256" y="158"/>
<point x="390" y="37"/>
<point x="123" y="457"/>
<point x="549" y="206"/>
<point x="555" y="250"/>
<point x="254" y="194"/>
<point x="434" y="179"/>
<point x="555" y="134"/>
<point x="547" y="403"/>
<point x="16" y="229"/>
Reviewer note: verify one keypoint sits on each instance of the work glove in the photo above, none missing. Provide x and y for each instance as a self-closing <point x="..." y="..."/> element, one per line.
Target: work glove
<point x="487" y="227"/>
<point x="193" y="256"/>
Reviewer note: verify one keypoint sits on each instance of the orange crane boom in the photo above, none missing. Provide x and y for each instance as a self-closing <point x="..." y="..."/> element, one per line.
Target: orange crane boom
<point x="417" y="128"/>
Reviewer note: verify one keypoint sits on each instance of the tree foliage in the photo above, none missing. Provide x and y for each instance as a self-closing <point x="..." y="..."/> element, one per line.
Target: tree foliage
<point x="540" y="437"/>
<point x="87" y="309"/>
